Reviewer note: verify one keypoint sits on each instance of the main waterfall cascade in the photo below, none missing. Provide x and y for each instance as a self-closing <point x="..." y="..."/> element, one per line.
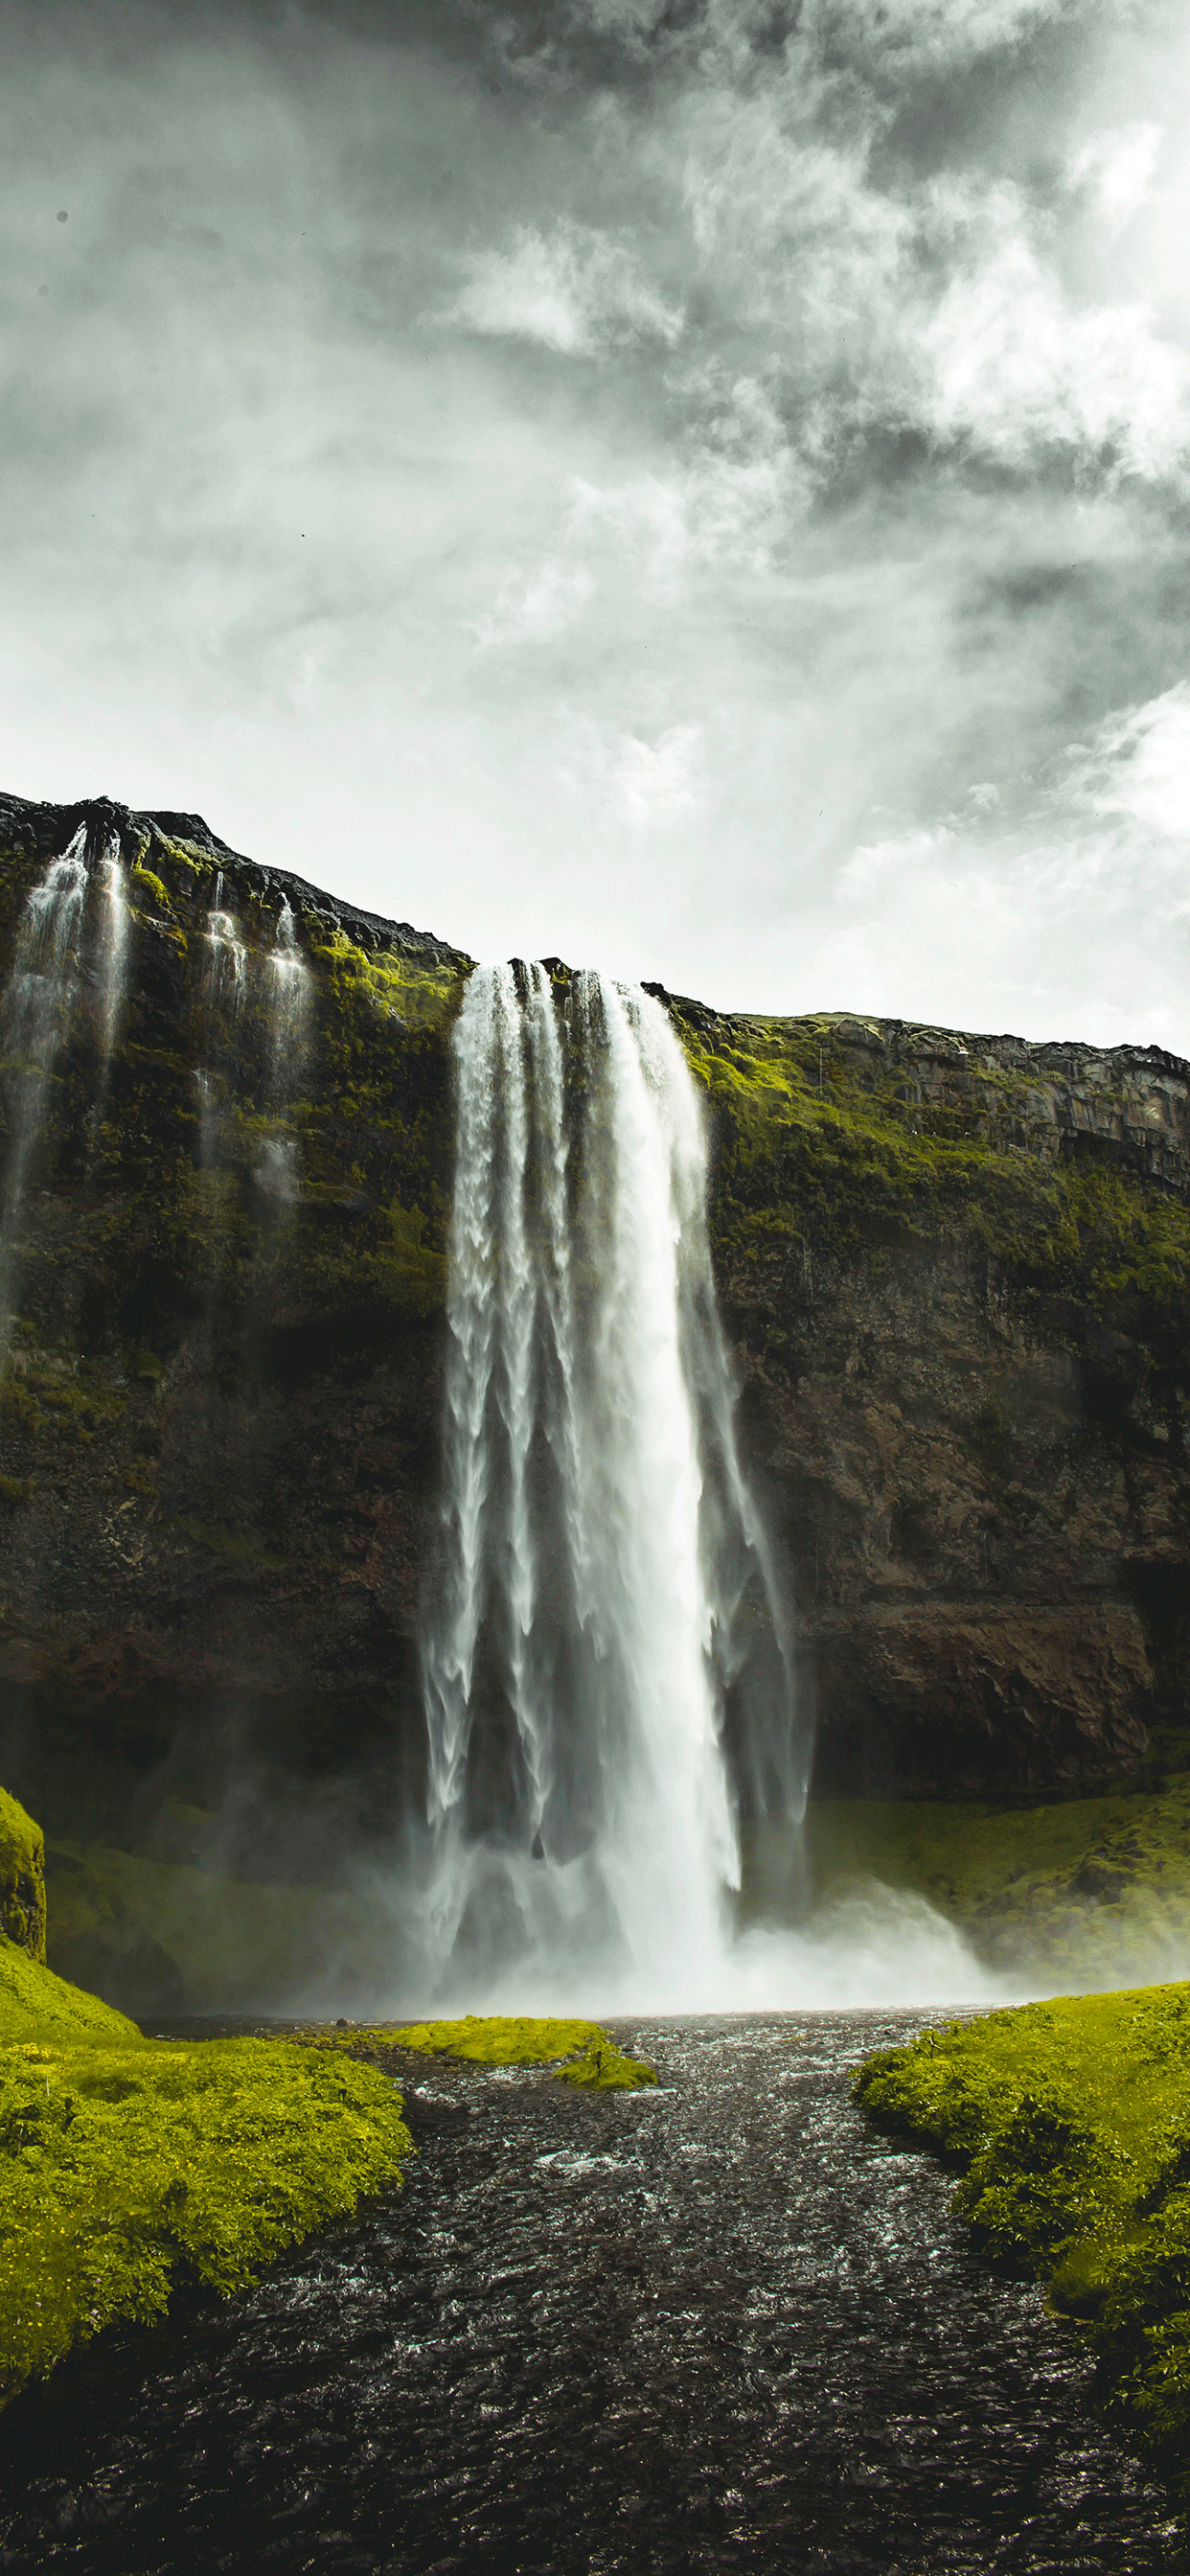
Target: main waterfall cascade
<point x="609" y="1681"/>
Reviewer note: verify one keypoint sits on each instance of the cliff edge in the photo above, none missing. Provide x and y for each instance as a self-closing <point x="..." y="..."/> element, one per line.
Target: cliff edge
<point x="954" y="1270"/>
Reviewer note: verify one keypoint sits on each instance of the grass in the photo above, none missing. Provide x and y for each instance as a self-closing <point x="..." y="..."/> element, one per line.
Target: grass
<point x="129" y="2167"/>
<point x="578" y="2051"/>
<point x="1071" y="2123"/>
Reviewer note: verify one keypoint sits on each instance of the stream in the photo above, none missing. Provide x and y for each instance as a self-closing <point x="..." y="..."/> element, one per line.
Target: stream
<point x="717" y="2326"/>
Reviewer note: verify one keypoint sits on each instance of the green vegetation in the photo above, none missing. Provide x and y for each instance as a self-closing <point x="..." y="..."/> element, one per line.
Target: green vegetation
<point x="22" y="1878"/>
<point x="1088" y="1890"/>
<point x="591" y="2058"/>
<point x="129" y="2167"/>
<point x="821" y="1147"/>
<point x="35" y="2004"/>
<point x="144" y="882"/>
<point x="1071" y="2122"/>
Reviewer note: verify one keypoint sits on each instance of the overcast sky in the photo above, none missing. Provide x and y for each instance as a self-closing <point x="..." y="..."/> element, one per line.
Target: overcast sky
<point x="699" y="489"/>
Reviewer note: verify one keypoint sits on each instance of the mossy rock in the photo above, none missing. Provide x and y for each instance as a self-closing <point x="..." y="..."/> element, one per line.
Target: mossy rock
<point x="130" y="2164"/>
<point x="22" y="1878"/>
<point x="579" y="2051"/>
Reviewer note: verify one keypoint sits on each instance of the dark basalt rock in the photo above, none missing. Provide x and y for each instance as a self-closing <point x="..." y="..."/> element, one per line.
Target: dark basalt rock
<point x="953" y="1271"/>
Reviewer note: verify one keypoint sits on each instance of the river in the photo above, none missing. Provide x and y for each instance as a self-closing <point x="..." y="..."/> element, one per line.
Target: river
<point x="717" y="2326"/>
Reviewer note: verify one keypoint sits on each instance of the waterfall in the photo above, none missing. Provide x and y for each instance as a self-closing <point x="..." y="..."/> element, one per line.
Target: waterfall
<point x="227" y="949"/>
<point x="113" y="944"/>
<point x="608" y="1676"/>
<point x="288" y="1007"/>
<point x="35" y="1010"/>
<point x="290" y="979"/>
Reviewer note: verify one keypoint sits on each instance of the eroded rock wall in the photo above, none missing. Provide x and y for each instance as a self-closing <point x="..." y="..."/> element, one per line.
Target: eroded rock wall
<point x="954" y="1275"/>
<point x="956" y="1272"/>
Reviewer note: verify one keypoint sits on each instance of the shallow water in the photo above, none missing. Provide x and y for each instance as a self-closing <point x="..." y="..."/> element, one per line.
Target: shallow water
<point x="717" y="2326"/>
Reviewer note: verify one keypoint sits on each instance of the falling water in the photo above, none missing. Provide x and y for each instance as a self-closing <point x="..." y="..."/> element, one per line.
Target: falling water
<point x="290" y="979"/>
<point x="35" y="1012"/>
<point x="113" y="944"/>
<point x="288" y="1007"/>
<point x="608" y="1676"/>
<point x="227" y="949"/>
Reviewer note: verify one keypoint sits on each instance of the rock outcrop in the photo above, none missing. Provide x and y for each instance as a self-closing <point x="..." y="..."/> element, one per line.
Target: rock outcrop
<point x="22" y="1879"/>
<point x="955" y="1273"/>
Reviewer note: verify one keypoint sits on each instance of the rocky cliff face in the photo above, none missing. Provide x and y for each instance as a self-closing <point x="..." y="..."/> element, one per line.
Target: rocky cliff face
<point x="955" y="1273"/>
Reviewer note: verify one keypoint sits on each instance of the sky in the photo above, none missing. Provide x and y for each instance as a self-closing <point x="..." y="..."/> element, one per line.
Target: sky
<point x="701" y="490"/>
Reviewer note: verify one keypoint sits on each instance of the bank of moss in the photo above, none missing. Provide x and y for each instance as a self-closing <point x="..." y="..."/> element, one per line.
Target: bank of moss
<point x="1086" y="1891"/>
<point x="1071" y="2124"/>
<point x="129" y="2167"/>
<point x="578" y="2051"/>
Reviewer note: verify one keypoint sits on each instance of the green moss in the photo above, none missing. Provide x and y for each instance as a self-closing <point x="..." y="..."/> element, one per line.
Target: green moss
<point x="128" y="2169"/>
<point x="1093" y="1890"/>
<point x="819" y="1146"/>
<point x="494" y="2040"/>
<point x="1071" y="2121"/>
<point x="15" y="1490"/>
<point x="22" y="1878"/>
<point x="604" y="2068"/>
<point x="128" y="2165"/>
<point x="144" y="880"/>
<point x="34" y="2003"/>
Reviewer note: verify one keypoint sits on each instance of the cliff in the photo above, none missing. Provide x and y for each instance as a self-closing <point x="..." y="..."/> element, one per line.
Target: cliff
<point x="955" y="1273"/>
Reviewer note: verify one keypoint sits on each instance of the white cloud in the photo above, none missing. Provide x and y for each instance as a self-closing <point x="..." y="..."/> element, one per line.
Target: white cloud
<point x="915" y="34"/>
<point x="930" y="34"/>
<point x="1012" y="366"/>
<point x="572" y="289"/>
<point x="936" y="306"/>
<point x="1114" y="170"/>
<point x="538" y="607"/>
<point x="1073" y="902"/>
<point x="648" y="784"/>
<point x="659" y="782"/>
<point x="1138" y="769"/>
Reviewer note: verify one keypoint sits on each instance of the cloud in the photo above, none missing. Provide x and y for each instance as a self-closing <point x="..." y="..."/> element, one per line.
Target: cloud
<point x="1012" y="367"/>
<point x="908" y="36"/>
<point x="1137" y="771"/>
<point x="574" y="289"/>
<point x="1114" y="170"/>
<point x="936" y="307"/>
<point x="1066" y="900"/>
<point x="726" y="591"/>
<point x="648" y="784"/>
<point x="536" y="608"/>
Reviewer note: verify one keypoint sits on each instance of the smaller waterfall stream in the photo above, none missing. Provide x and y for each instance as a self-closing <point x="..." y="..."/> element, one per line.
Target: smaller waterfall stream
<point x="608" y="1674"/>
<point x="287" y="1004"/>
<point x="113" y="945"/>
<point x="227" y="949"/>
<point x="35" y="1009"/>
